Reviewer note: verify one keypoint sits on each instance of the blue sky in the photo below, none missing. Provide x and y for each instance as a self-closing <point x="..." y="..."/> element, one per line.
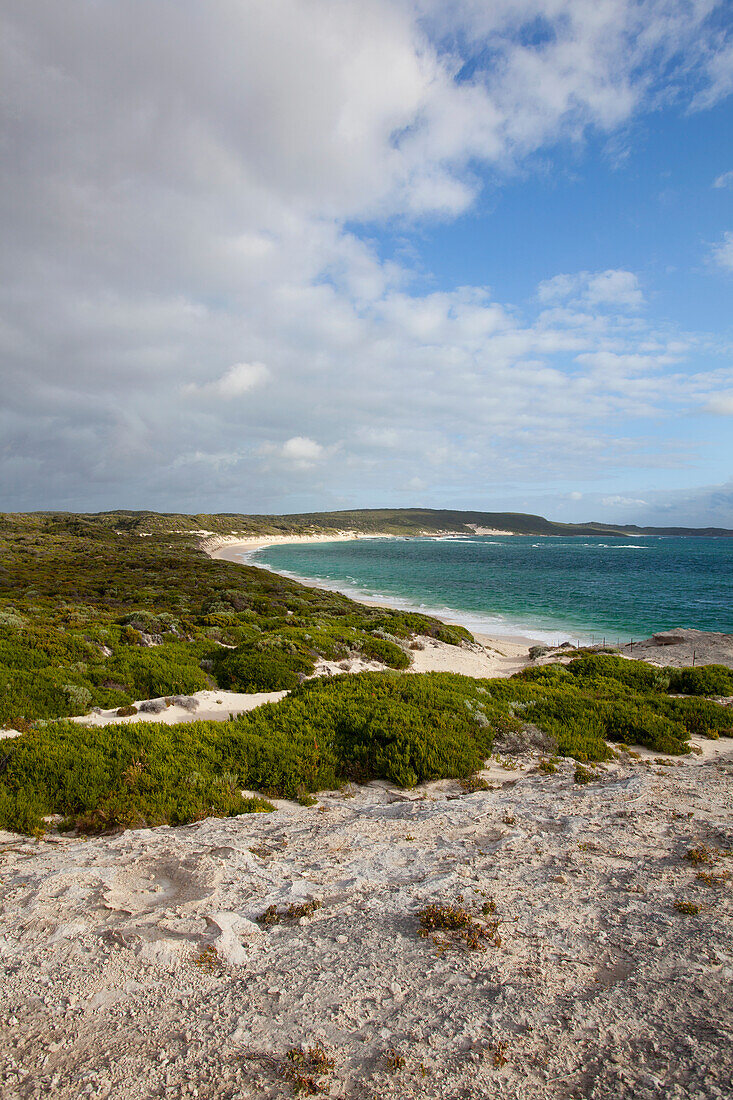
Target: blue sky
<point x="284" y="255"/>
<point x="656" y="213"/>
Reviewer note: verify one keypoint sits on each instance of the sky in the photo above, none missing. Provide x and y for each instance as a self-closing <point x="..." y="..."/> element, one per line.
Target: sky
<point x="287" y="255"/>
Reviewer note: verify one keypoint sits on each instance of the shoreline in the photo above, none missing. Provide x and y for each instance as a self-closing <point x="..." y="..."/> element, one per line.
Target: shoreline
<point x="232" y="550"/>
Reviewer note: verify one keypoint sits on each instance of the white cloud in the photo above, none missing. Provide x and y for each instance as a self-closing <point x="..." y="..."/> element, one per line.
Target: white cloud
<point x="615" y="288"/>
<point x="181" y="201"/>
<point x="721" y="404"/>
<point x="724" y="180"/>
<point x="302" y="449"/>
<point x="299" y="452"/>
<point x="623" y="502"/>
<point x="238" y="380"/>
<point x="722" y="253"/>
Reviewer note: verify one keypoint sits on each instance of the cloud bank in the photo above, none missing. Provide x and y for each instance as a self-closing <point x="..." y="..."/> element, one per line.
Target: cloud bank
<point x="190" y="317"/>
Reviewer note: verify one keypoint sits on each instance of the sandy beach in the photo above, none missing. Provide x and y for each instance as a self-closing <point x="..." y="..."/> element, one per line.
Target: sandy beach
<point x="231" y="548"/>
<point x="493" y="655"/>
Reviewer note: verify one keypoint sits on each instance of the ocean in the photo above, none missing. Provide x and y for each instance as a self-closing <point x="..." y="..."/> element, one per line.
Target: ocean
<point x="552" y="589"/>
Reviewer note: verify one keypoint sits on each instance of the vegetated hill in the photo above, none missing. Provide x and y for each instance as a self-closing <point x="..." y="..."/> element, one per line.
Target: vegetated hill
<point x="392" y="521"/>
<point x="709" y="532"/>
<point x="93" y="615"/>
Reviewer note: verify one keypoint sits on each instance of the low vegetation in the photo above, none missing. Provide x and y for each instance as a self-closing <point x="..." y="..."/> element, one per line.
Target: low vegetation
<point x="404" y="728"/>
<point x="93" y="615"/>
<point x="273" y="915"/>
<point x="452" y="924"/>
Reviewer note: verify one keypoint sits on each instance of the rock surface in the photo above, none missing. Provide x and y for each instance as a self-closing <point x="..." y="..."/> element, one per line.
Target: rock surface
<point x="135" y="965"/>
<point x="682" y="647"/>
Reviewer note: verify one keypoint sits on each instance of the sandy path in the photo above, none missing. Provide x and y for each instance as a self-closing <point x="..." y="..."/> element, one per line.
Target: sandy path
<point x="134" y="966"/>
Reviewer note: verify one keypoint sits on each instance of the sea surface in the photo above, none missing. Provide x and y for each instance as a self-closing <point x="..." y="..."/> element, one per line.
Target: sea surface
<point x="552" y="589"/>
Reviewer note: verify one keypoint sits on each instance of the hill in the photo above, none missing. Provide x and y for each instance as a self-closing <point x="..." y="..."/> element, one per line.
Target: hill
<point x="392" y="521"/>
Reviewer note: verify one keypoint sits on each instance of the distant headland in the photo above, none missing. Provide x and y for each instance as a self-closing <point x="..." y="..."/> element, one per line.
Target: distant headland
<point x="390" y="521"/>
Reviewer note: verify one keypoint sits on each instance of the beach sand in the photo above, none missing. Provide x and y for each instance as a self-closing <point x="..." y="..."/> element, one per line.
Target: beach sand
<point x="135" y="965"/>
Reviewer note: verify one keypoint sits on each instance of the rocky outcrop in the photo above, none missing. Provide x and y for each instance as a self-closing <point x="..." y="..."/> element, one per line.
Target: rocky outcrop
<point x="683" y="646"/>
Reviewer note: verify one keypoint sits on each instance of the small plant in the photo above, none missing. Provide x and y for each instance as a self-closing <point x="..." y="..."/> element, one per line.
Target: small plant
<point x="500" y="1058"/>
<point x="488" y="907"/>
<point x="307" y="800"/>
<point x="709" y="878"/>
<point x="208" y="960"/>
<point x="687" y="907"/>
<point x="473" y="783"/>
<point x="314" y="1059"/>
<point x="547" y="766"/>
<point x="509" y="819"/>
<point x="583" y="775"/>
<point x="304" y="1063"/>
<point x="699" y="855"/>
<point x="394" y="1060"/>
<point x="273" y="915"/>
<point x="126" y="711"/>
<point x="459" y="925"/>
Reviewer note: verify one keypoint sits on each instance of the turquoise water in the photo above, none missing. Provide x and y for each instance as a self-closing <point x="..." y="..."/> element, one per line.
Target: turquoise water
<point x="546" y="588"/>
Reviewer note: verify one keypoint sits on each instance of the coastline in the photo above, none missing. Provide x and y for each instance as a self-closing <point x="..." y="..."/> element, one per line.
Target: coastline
<point x="505" y="653"/>
<point x="229" y="548"/>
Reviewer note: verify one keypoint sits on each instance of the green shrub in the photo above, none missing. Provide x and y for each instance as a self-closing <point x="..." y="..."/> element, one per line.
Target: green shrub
<point x="117" y="776"/>
<point x="634" y="674"/>
<point x="403" y="728"/>
<point x="699" y="716"/>
<point x="253" y="670"/>
<point x="148" y="672"/>
<point x="379" y="649"/>
<point x="640" y="725"/>
<point x="702" y="680"/>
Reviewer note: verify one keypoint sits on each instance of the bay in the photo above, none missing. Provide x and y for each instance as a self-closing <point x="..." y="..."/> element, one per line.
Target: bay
<point x="546" y="588"/>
